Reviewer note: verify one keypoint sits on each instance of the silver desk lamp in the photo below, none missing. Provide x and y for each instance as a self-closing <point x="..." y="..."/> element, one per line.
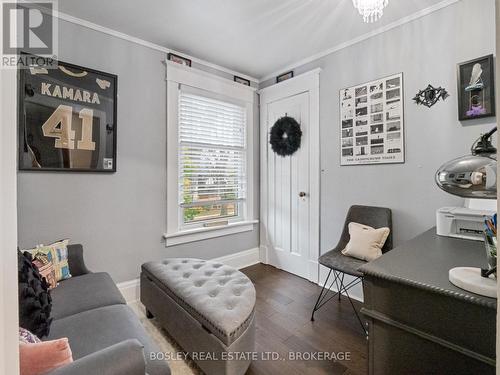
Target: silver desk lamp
<point x="472" y="176"/>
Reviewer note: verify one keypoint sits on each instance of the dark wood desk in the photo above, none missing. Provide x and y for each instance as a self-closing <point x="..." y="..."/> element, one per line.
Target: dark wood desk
<point x="420" y="323"/>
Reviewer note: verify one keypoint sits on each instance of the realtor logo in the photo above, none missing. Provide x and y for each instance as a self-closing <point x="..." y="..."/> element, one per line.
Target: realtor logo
<point x="28" y="27"/>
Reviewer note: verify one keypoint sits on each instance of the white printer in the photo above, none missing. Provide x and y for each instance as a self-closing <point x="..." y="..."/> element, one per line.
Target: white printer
<point x="465" y="222"/>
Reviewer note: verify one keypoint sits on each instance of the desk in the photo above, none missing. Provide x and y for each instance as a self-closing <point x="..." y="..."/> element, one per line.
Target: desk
<point x="420" y="323"/>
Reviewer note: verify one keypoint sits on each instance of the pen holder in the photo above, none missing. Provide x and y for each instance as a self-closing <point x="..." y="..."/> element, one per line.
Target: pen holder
<point x="490" y="244"/>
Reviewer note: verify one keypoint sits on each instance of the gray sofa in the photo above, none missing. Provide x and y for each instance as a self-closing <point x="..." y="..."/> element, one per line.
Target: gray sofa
<point x="105" y="335"/>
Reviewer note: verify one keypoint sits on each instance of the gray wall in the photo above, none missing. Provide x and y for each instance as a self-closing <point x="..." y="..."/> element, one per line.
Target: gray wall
<point x="426" y="51"/>
<point x="120" y="218"/>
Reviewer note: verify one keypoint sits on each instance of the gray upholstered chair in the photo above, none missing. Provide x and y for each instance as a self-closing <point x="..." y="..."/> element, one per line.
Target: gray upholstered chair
<point x="339" y="265"/>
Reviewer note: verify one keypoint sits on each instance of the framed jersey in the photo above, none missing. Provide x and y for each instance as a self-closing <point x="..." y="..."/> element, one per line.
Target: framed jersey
<point x="67" y="119"/>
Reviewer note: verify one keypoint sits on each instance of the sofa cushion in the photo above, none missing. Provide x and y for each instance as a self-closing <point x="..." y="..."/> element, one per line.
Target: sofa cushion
<point x="97" y="329"/>
<point x="84" y="293"/>
<point x="220" y="297"/>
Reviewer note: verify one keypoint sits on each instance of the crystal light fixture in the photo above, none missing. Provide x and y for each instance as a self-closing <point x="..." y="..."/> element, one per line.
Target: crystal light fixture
<point x="371" y="10"/>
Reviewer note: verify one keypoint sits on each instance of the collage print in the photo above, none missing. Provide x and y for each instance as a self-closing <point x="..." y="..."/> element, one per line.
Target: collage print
<point x="372" y="122"/>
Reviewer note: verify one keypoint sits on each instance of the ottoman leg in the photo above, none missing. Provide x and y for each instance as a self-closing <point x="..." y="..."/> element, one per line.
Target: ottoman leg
<point x="149" y="315"/>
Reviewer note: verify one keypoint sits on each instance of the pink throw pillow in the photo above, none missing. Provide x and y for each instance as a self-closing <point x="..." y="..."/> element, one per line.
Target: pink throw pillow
<point x="42" y="357"/>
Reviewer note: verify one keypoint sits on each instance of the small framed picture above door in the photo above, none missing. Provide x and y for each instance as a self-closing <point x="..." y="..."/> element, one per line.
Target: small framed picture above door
<point x="476" y="88"/>
<point x="67" y="119"/>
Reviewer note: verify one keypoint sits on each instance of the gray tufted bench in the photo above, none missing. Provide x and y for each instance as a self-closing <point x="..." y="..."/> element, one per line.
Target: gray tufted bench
<point x="207" y="307"/>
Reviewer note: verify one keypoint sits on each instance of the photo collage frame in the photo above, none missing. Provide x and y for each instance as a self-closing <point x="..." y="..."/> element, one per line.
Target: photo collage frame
<point x="372" y="122"/>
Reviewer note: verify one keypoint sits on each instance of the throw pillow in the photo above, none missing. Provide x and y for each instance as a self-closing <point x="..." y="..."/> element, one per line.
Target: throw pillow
<point x="35" y="303"/>
<point x="43" y="357"/>
<point x="366" y="242"/>
<point x="46" y="269"/>
<point x="57" y="254"/>
<point x="26" y="337"/>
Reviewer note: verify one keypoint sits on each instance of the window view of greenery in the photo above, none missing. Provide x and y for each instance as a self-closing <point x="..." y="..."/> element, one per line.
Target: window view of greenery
<point x="216" y="211"/>
<point x="211" y="180"/>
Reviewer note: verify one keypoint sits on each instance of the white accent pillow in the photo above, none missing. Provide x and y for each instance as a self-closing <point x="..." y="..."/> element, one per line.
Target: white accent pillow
<point x="366" y="243"/>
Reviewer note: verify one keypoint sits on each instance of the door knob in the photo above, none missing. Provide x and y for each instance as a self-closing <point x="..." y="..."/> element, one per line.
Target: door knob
<point x="302" y="194"/>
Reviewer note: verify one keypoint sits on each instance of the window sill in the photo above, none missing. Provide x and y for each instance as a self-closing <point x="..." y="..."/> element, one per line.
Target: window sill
<point x="200" y="234"/>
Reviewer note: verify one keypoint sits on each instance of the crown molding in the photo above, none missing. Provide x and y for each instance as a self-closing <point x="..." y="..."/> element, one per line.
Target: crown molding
<point x="118" y="34"/>
<point x="371" y="34"/>
<point x="289" y="81"/>
<point x="176" y="68"/>
<point x="317" y="56"/>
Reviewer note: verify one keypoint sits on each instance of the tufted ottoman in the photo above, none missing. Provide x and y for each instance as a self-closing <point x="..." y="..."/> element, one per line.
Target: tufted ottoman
<point x="207" y="307"/>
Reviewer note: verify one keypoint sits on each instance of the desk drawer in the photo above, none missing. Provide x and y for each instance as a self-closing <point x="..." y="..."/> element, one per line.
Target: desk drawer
<point x="465" y="326"/>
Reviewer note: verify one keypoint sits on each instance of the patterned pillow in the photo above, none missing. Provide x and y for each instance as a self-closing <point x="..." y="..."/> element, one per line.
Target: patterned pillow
<point x="46" y="269"/>
<point x="57" y="254"/>
<point x="26" y="337"/>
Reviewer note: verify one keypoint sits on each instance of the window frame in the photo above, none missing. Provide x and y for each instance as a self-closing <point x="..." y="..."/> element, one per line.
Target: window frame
<point x="194" y="80"/>
<point x="242" y="205"/>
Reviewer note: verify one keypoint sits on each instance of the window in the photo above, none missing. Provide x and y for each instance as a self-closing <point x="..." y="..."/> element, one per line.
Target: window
<point x="212" y="159"/>
<point x="210" y="156"/>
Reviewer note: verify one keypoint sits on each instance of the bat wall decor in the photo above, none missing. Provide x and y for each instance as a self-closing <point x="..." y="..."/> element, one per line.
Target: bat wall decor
<point x="430" y="96"/>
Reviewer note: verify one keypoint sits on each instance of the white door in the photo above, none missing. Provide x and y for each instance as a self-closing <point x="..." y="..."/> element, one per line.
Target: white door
<point x="290" y="191"/>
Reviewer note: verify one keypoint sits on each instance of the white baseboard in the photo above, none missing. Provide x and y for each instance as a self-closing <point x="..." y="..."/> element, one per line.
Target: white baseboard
<point x="242" y="259"/>
<point x="355" y="293"/>
<point x="131" y="291"/>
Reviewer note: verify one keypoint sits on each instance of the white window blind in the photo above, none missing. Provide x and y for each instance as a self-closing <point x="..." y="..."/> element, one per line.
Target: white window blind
<point x="212" y="158"/>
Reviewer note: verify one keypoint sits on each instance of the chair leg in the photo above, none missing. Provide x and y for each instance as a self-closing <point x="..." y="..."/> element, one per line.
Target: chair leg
<point x="338" y="280"/>
<point x="324" y="292"/>
<point x="350" y="285"/>
<point x="320" y="295"/>
<point x="338" y="286"/>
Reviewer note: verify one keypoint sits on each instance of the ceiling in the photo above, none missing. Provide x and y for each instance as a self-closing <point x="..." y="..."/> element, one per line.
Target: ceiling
<point x="253" y="37"/>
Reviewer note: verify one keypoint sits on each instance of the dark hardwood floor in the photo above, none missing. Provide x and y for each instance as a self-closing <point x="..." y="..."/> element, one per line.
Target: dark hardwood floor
<point x="283" y="312"/>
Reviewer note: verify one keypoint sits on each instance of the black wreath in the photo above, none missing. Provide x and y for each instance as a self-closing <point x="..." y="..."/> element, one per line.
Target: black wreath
<point x="285" y="136"/>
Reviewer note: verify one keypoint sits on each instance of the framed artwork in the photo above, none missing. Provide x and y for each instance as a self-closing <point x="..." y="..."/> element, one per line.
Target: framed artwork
<point x="67" y="119"/>
<point x="372" y="122"/>
<point x="284" y="76"/>
<point x="178" y="59"/>
<point x="476" y="88"/>
<point x="243" y="81"/>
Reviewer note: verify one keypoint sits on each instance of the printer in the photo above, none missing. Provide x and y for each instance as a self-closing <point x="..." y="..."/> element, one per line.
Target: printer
<point x="465" y="222"/>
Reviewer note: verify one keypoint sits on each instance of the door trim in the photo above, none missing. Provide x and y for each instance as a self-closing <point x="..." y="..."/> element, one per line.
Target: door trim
<point x="9" y="299"/>
<point x="306" y="82"/>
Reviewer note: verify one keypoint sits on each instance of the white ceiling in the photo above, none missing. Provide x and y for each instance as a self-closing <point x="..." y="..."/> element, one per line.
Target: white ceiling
<point x="254" y="37"/>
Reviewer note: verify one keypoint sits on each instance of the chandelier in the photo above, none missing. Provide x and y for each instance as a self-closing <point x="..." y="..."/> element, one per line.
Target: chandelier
<point x="371" y="10"/>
